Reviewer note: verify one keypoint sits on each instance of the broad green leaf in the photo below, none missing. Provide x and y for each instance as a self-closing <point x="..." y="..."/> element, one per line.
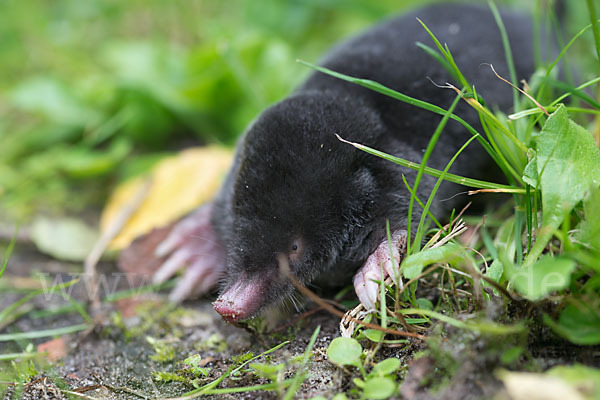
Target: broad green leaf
<point x="511" y="355"/>
<point x="530" y="173"/>
<point x="379" y="388"/>
<point x="547" y="275"/>
<point x="359" y="383"/>
<point x="385" y="367"/>
<point x="65" y="239"/>
<point x="579" y="323"/>
<point x="344" y="351"/>
<point x="580" y="376"/>
<point x="568" y="164"/>
<point x="589" y="229"/>
<point x="49" y="97"/>
<point x="373" y="335"/>
<point x="82" y="162"/>
<point x="494" y="272"/>
<point x="424" y="303"/>
<point x="413" y="265"/>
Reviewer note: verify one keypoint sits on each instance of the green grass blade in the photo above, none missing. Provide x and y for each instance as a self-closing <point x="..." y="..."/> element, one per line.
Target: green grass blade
<point x="243" y="389"/>
<point x="439" y="58"/>
<point x="511" y="174"/>
<point x="569" y="90"/>
<point x="14" y="306"/>
<point x="507" y="52"/>
<point x="412" y="192"/>
<point x="474" y="183"/>
<point x="428" y="151"/>
<point x="561" y="55"/>
<point x="15" y="356"/>
<point x="595" y="28"/>
<point x="43" y="333"/>
<point x="8" y="252"/>
<point x="379" y="88"/>
<point x="299" y="377"/>
<point x="443" y="175"/>
<point x="446" y="52"/>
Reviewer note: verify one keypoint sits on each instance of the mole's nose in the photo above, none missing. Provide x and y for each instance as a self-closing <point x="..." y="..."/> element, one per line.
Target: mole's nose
<point x="240" y="301"/>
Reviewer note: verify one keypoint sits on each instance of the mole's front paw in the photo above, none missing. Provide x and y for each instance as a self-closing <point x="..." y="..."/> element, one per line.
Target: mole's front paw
<point x="365" y="280"/>
<point x="192" y="244"/>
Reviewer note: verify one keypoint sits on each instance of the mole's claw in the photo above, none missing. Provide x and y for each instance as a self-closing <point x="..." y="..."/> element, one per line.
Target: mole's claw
<point x="191" y="225"/>
<point x="171" y="266"/>
<point x="364" y="295"/>
<point x="198" y="279"/>
<point x="193" y="245"/>
<point x="365" y="280"/>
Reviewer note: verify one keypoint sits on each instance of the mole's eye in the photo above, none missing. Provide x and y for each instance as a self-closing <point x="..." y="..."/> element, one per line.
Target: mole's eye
<point x="296" y="250"/>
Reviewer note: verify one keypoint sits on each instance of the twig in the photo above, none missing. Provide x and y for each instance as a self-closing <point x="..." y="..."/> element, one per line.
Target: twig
<point x="520" y="90"/>
<point x="113" y="230"/>
<point x="285" y="270"/>
<point x="77" y="394"/>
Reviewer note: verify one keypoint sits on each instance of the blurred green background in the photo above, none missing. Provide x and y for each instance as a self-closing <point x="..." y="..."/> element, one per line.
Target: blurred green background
<point x="92" y="92"/>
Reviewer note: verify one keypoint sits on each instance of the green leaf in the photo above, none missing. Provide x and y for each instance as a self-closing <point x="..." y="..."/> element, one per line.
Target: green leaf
<point x="49" y="97"/>
<point x="568" y="164"/>
<point x="82" y="162"/>
<point x="511" y="355"/>
<point x="494" y="272"/>
<point x="373" y="335"/>
<point x="385" y="367"/>
<point x="579" y="375"/>
<point x="413" y="265"/>
<point x="344" y="351"/>
<point x="530" y="173"/>
<point x="64" y="238"/>
<point x="547" y="275"/>
<point x="589" y="229"/>
<point x="192" y="362"/>
<point x="379" y="388"/>
<point x="268" y="371"/>
<point x="579" y="323"/>
<point x="359" y="383"/>
<point x="424" y="303"/>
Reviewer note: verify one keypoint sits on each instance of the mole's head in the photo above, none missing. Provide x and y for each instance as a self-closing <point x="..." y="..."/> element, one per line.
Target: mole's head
<point x="298" y="192"/>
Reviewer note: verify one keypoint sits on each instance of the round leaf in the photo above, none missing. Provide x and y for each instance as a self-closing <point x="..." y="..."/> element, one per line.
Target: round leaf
<point x="63" y="238"/>
<point x="344" y="351"/>
<point x="386" y="367"/>
<point x="379" y="388"/>
<point x="373" y="335"/>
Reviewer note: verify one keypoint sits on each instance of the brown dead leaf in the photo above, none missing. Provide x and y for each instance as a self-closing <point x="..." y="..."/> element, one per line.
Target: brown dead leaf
<point x="56" y="349"/>
<point x="179" y="184"/>
<point x="138" y="259"/>
<point x="531" y="386"/>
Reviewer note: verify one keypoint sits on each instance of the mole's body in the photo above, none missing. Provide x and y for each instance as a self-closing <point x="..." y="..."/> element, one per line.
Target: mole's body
<point x="296" y="190"/>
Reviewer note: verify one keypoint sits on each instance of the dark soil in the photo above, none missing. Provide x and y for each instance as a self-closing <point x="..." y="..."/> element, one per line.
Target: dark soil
<point x="115" y="360"/>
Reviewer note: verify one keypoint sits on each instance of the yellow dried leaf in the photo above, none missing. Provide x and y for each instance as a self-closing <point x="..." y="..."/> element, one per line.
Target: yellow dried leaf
<point x="178" y="185"/>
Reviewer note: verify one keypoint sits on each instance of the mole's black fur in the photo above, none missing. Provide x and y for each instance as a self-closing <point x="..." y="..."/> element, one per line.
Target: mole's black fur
<point x="296" y="189"/>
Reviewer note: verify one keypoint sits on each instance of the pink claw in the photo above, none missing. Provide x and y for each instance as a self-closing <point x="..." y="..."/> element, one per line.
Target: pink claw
<point x="192" y="243"/>
<point x="365" y="284"/>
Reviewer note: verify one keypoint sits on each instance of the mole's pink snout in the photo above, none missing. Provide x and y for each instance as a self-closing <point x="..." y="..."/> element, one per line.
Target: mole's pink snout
<point x="241" y="301"/>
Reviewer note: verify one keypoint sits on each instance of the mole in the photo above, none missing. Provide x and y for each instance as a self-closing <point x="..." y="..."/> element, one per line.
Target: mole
<point x="296" y="190"/>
